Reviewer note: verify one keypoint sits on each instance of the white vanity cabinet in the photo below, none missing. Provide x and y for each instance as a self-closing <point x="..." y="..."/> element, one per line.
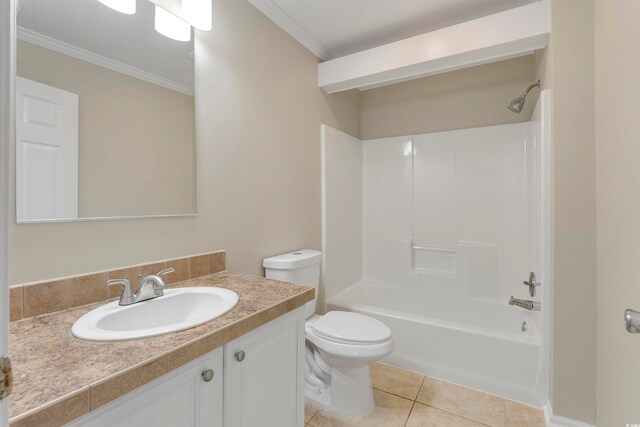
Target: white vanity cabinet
<point x="181" y="398"/>
<point x="258" y="382"/>
<point x="264" y="375"/>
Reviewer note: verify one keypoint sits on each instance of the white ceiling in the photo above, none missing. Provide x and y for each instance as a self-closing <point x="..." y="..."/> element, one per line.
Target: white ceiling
<point x="127" y="39"/>
<point x="334" y="28"/>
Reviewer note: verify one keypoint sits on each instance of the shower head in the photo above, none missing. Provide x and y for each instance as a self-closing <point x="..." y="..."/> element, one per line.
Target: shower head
<point x="518" y="104"/>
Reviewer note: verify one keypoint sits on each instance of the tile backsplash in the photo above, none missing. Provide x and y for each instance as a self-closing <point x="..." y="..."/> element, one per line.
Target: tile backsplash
<point x="34" y="299"/>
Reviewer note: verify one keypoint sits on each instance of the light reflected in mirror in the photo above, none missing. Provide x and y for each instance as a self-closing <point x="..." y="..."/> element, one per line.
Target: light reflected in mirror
<point x="104" y="114"/>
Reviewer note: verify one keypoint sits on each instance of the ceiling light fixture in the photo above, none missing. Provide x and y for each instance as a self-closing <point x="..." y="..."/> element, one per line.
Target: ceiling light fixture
<point x="197" y="13"/>
<point x="123" y="6"/>
<point x="171" y="26"/>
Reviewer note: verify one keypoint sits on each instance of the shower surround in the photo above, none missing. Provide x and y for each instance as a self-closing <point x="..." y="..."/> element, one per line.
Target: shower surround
<point x="432" y="234"/>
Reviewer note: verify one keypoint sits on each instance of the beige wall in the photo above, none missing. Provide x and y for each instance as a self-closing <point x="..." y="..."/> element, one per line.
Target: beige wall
<point x="618" y="177"/>
<point x="259" y="112"/>
<point x="567" y="67"/>
<point x="135" y="139"/>
<point x="473" y="97"/>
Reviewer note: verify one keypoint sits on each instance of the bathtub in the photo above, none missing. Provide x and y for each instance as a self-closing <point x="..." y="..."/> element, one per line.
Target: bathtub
<point x="477" y="343"/>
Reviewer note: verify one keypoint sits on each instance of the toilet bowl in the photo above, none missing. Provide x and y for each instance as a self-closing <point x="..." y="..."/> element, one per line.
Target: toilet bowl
<point x="343" y="344"/>
<point x="340" y="345"/>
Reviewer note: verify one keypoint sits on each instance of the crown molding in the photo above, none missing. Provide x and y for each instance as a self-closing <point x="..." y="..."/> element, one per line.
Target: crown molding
<point x="102" y="61"/>
<point x="288" y="24"/>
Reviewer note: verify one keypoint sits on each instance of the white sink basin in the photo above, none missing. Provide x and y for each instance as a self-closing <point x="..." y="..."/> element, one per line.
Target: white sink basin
<point x="178" y="309"/>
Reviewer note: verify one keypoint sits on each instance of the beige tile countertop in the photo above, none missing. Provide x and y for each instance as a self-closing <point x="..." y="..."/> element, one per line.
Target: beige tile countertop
<point x="58" y="378"/>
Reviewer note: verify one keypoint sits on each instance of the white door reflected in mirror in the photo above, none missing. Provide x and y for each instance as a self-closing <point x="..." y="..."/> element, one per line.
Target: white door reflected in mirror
<point x="46" y="151"/>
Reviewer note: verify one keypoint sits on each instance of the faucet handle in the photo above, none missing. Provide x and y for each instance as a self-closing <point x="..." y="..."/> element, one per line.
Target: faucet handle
<point x="531" y="283"/>
<point x="127" y="296"/>
<point x="161" y="283"/>
<point x="165" y="272"/>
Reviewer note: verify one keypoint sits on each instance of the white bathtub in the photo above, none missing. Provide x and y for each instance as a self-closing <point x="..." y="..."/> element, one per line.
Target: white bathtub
<point x="477" y="343"/>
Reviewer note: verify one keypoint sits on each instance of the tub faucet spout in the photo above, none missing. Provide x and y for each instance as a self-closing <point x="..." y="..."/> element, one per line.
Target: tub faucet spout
<point x="526" y="304"/>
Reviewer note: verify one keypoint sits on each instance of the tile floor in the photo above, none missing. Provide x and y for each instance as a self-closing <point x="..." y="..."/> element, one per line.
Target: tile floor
<point x="407" y="399"/>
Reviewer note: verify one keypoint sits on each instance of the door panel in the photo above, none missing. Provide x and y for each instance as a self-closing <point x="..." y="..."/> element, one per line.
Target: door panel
<point x="179" y="399"/>
<point x="40" y="167"/>
<point x="46" y="152"/>
<point x="264" y="388"/>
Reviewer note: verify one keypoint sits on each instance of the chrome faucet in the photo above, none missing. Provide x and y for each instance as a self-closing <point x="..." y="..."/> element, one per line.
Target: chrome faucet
<point x="150" y="287"/>
<point x="526" y="304"/>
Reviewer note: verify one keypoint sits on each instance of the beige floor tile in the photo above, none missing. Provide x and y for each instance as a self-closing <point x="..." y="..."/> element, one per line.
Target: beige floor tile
<point x="519" y="415"/>
<point x="427" y="416"/>
<point x="309" y="411"/>
<point x="391" y="411"/>
<point x="462" y="401"/>
<point x="396" y="381"/>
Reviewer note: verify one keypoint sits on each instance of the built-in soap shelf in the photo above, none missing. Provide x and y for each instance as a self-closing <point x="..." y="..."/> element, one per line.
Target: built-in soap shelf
<point x="452" y="251"/>
<point x="433" y="260"/>
<point x="471" y="263"/>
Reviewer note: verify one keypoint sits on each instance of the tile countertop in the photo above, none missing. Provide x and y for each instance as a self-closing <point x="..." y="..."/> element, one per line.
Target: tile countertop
<point x="58" y="378"/>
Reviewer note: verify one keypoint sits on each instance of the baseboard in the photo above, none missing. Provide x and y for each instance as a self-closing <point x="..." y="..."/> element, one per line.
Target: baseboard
<point x="552" y="420"/>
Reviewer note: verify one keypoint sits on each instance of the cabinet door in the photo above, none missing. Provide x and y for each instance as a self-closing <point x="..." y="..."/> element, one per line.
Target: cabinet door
<point x="181" y="398"/>
<point x="265" y="388"/>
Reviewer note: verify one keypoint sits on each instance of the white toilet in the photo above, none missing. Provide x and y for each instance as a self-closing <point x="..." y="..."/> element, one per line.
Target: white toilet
<point x="340" y="345"/>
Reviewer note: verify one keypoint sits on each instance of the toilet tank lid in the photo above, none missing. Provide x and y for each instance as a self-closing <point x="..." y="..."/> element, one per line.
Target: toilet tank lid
<point x="292" y="260"/>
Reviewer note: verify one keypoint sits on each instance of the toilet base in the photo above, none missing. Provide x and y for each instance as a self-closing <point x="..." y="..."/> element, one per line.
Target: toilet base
<point x="349" y="392"/>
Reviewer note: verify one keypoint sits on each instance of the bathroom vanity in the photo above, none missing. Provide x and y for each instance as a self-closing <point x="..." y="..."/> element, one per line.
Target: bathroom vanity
<point x="244" y="368"/>
<point x="251" y="381"/>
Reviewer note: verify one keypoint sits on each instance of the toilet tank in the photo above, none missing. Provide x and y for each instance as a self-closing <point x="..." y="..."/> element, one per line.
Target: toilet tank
<point x="300" y="267"/>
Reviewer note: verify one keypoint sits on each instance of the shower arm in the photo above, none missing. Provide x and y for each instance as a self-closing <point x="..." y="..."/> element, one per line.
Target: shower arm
<point x="526" y="92"/>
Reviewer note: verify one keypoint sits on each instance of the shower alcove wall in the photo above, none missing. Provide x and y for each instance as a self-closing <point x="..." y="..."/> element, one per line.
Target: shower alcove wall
<point x="432" y="234"/>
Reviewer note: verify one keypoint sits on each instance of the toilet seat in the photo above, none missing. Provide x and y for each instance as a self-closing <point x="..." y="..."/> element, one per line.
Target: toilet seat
<point x="350" y="328"/>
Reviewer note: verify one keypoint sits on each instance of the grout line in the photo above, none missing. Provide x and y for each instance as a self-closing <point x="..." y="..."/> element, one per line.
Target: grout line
<point x="409" y="415"/>
<point x="396" y="395"/>
<point x="22" y="302"/>
<point x="504" y="409"/>
<point x="312" y="417"/>
<point x="451" y="413"/>
<point x="424" y="378"/>
<point x="456" y="415"/>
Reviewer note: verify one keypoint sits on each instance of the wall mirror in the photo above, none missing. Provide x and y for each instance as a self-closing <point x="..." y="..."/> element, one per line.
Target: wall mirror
<point x="105" y="122"/>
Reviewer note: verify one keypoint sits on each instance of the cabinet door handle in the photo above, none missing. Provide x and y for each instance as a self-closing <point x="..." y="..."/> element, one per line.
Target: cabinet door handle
<point x="239" y="355"/>
<point x="207" y="375"/>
